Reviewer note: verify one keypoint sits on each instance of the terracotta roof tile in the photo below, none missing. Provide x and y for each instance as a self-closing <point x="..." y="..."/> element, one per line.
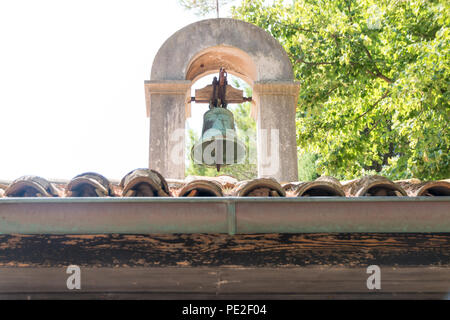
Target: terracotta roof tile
<point x="146" y="182"/>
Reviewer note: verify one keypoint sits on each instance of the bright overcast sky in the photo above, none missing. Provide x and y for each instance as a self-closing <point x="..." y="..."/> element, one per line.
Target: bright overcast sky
<point x="72" y="83"/>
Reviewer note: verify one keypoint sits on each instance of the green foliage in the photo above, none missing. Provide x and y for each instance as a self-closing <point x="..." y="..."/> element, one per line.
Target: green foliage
<point x="307" y="169"/>
<point x="203" y="7"/>
<point x="374" y="82"/>
<point x="192" y="168"/>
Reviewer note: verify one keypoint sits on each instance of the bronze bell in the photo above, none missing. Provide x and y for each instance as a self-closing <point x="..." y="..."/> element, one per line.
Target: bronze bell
<point x="219" y="144"/>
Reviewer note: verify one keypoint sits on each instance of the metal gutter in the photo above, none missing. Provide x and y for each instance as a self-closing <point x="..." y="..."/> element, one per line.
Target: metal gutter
<point x="223" y="215"/>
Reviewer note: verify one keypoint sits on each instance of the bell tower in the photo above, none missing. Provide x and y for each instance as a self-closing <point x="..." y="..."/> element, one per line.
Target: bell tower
<point x="243" y="50"/>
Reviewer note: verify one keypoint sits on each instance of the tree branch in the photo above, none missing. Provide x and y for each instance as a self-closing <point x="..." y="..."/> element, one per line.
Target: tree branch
<point x="308" y="62"/>
<point x="377" y="73"/>
<point x="326" y="94"/>
<point x="296" y="28"/>
<point x="386" y="94"/>
<point x="313" y="63"/>
<point x="376" y="123"/>
<point x="349" y="11"/>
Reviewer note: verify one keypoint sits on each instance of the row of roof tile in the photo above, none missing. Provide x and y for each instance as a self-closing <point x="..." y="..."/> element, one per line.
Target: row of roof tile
<point x="149" y="183"/>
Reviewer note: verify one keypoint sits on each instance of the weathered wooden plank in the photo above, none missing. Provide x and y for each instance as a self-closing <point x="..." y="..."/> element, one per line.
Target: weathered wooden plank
<point x="260" y="250"/>
<point x="182" y="282"/>
<point x="199" y="296"/>
<point x="332" y="280"/>
<point x="232" y="95"/>
<point x="35" y="280"/>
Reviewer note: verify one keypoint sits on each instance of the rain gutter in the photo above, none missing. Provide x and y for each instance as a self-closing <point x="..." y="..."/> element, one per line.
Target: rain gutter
<point x="228" y="215"/>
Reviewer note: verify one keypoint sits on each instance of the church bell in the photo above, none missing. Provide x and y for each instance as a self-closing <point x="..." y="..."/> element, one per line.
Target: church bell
<point x="219" y="145"/>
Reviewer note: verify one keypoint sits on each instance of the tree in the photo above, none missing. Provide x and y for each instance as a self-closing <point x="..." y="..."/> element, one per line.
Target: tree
<point x="203" y="7"/>
<point x="307" y="169"/>
<point x="374" y="82"/>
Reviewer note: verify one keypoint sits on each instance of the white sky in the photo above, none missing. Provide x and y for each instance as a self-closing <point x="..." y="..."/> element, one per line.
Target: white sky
<point x="72" y="83"/>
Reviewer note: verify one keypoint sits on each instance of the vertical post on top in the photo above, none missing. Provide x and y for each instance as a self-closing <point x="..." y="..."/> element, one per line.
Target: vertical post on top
<point x="217" y="8"/>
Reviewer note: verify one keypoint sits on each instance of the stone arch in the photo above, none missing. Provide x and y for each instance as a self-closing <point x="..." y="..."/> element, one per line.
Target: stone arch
<point x="235" y="61"/>
<point x="246" y="51"/>
<point x="177" y="53"/>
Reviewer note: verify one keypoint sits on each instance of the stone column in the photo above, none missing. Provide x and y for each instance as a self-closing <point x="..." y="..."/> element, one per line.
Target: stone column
<point x="166" y="103"/>
<point x="276" y="102"/>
